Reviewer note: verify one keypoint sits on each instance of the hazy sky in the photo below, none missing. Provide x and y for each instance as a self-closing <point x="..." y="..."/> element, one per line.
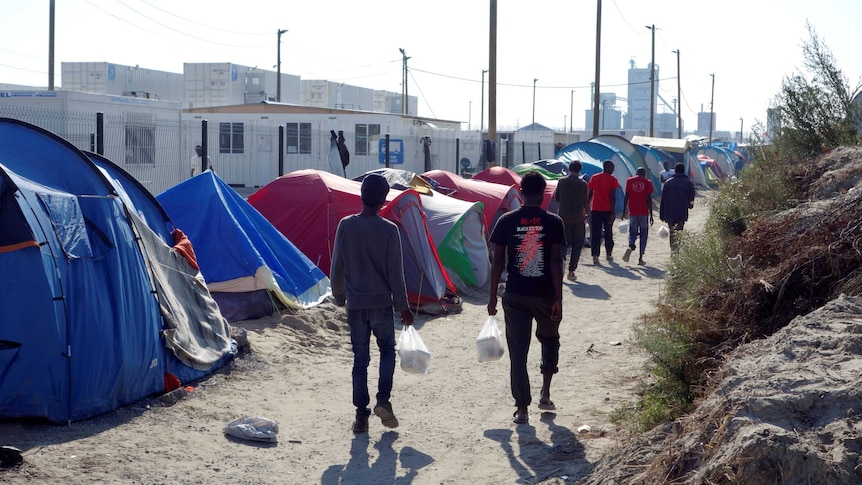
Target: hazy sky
<point x="749" y="46"/>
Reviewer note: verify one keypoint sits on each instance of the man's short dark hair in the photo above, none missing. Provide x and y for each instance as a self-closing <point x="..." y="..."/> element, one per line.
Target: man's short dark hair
<point x="575" y="166"/>
<point x="374" y="190"/>
<point x="608" y="166"/>
<point x="533" y="183"/>
<point x="641" y="171"/>
<point x="679" y="168"/>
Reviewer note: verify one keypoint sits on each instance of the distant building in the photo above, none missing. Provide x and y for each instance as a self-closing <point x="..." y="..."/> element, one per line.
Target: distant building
<point x="120" y="80"/>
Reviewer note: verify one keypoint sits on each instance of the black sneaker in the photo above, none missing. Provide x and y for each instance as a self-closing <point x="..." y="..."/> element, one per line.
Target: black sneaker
<point x="387" y="417"/>
<point x="361" y="424"/>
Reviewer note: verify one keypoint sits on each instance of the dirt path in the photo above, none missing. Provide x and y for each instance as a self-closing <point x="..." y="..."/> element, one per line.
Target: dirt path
<point x="456" y="424"/>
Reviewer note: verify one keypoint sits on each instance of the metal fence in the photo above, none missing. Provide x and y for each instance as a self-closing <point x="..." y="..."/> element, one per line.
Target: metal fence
<point x="157" y="148"/>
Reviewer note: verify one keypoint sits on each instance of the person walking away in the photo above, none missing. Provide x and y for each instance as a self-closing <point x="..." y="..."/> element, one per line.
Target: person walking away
<point x="602" y="191"/>
<point x="197" y="166"/>
<point x="367" y="278"/>
<point x="637" y="207"/>
<point x="529" y="240"/>
<point x="571" y="196"/>
<point x="677" y="197"/>
<point x="666" y="173"/>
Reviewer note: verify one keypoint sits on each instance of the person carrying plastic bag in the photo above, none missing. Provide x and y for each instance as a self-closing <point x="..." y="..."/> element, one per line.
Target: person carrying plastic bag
<point x="529" y="240"/>
<point x="367" y="278"/>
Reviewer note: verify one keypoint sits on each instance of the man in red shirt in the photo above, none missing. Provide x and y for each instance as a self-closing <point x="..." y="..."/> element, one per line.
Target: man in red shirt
<point x="602" y="193"/>
<point x="637" y="206"/>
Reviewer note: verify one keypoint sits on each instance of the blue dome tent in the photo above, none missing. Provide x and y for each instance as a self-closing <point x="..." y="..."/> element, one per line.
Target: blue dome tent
<point x="97" y="310"/>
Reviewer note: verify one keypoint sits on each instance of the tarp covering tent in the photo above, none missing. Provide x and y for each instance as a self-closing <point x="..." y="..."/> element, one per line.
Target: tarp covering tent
<point x="496" y="199"/>
<point x="400" y="179"/>
<point x="458" y="231"/>
<point x="96" y="309"/>
<point x="723" y="157"/>
<point x="681" y="150"/>
<point x="306" y="206"/>
<point x="508" y="177"/>
<point x="592" y="155"/>
<point x="136" y="197"/>
<point x="551" y="169"/>
<point x="699" y="172"/>
<point x="247" y="264"/>
<point x="670" y="145"/>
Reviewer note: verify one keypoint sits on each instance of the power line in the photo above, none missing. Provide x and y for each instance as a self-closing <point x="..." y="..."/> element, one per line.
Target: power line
<point x="203" y="25"/>
<point x="423" y="94"/>
<point x="173" y="30"/>
<point x="529" y="86"/>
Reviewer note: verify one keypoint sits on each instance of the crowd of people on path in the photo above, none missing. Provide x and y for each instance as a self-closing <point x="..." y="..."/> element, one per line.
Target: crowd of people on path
<point x="598" y="201"/>
<point x="529" y="243"/>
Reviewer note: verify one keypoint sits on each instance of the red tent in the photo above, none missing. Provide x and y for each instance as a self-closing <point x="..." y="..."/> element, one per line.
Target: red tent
<point x="505" y="176"/>
<point x="307" y="205"/>
<point x="497" y="199"/>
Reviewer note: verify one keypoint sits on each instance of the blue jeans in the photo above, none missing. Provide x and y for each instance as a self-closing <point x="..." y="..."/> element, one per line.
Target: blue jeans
<point x="519" y="312"/>
<point x="363" y="323"/>
<point x="638" y="226"/>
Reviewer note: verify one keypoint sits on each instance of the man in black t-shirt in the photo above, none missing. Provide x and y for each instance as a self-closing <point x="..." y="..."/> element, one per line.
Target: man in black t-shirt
<point x="531" y="239"/>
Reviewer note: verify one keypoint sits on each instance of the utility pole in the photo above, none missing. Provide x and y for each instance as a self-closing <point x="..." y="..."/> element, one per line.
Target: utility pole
<point x="492" y="76"/>
<point x="652" y="82"/>
<point x="51" y="46"/>
<point x="533" y="126"/>
<point x="571" y="108"/>
<point x="404" y="97"/>
<point x="278" y="66"/>
<point x="598" y="66"/>
<point x="678" y="98"/>
<point x="482" y="107"/>
<point x="711" y="99"/>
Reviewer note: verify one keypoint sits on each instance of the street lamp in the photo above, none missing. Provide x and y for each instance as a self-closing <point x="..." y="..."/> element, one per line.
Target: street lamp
<point x="711" y="99"/>
<point x="278" y="66"/>
<point x="533" y="126"/>
<point x="678" y="98"/>
<point x="482" y="108"/>
<point x="571" y="107"/>
<point x="652" y="82"/>
<point x="404" y="96"/>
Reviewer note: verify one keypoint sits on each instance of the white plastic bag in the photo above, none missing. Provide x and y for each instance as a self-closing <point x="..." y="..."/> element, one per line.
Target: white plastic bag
<point x="624" y="227"/>
<point x="253" y="428"/>
<point x="414" y="355"/>
<point x="663" y="232"/>
<point x="489" y="343"/>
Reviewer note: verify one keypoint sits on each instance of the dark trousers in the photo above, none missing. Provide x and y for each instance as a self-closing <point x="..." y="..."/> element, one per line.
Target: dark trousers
<point x="601" y="226"/>
<point x="575" y="238"/>
<point x="363" y="324"/>
<point x="520" y="311"/>
<point x="675" y="229"/>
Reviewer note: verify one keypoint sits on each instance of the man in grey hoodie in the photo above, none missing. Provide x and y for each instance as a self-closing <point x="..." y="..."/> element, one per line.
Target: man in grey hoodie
<point x="367" y="278"/>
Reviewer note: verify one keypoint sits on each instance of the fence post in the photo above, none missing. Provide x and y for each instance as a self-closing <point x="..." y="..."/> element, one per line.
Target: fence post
<point x="203" y="145"/>
<point x="523" y="152"/>
<point x="280" y="150"/>
<point x="538" y="144"/>
<point x="457" y="155"/>
<point x="387" y="150"/>
<point x="100" y="133"/>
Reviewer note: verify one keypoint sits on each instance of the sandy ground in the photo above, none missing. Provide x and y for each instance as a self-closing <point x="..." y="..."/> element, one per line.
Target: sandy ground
<point x="456" y="421"/>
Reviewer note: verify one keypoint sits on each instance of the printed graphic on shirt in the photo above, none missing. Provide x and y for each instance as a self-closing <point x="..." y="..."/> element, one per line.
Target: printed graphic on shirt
<point x="529" y="254"/>
<point x="638" y="186"/>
